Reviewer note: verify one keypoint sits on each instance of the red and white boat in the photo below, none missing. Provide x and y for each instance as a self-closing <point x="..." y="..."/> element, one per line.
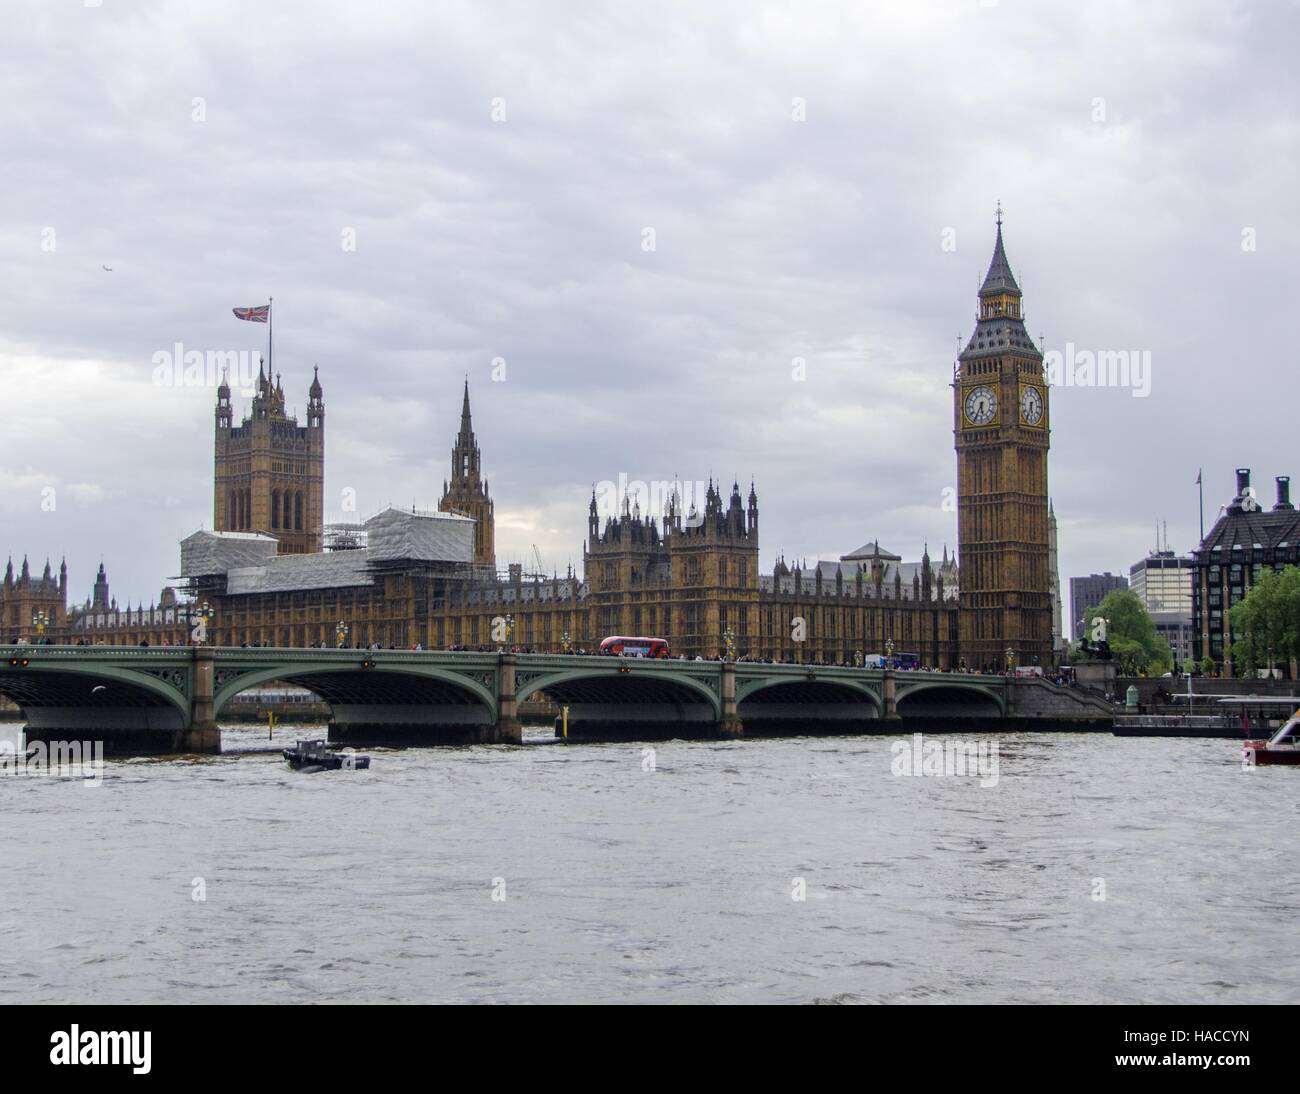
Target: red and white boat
<point x="1282" y="748"/>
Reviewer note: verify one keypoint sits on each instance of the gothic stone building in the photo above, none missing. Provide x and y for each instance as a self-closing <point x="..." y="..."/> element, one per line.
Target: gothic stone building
<point x="33" y="606"/>
<point x="429" y="579"/>
<point x="270" y="471"/>
<point x="98" y="622"/>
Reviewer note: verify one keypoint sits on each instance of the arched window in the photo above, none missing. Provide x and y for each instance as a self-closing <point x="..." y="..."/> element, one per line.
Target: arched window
<point x="232" y="512"/>
<point x="297" y="511"/>
<point x="275" y="510"/>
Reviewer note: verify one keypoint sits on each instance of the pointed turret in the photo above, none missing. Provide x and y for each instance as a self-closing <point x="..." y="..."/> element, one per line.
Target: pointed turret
<point x="999" y="279"/>
<point x="315" y="400"/>
<point x="466" y="492"/>
<point x="99" y="597"/>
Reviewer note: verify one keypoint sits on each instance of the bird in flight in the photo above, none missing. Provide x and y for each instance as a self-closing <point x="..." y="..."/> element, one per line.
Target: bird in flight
<point x="109" y="268"/>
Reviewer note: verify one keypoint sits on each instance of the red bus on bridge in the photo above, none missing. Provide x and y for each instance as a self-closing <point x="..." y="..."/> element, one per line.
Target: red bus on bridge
<point x="616" y="646"/>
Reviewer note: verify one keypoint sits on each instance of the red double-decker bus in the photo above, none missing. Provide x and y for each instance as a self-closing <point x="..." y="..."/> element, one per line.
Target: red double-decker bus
<point x="616" y="646"/>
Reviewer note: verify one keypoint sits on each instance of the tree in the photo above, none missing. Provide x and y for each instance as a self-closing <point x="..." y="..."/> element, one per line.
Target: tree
<point x="1134" y="644"/>
<point x="1266" y="623"/>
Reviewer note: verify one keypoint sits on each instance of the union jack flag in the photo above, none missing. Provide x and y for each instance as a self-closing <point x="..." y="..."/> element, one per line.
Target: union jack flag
<point x="259" y="314"/>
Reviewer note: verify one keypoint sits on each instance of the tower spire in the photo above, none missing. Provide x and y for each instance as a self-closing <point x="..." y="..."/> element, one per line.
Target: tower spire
<point x="466" y="492"/>
<point x="999" y="279"/>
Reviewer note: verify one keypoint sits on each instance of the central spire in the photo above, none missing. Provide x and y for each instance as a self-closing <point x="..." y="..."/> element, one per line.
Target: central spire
<point x="999" y="279"/>
<point x="465" y="455"/>
<point x="466" y="492"/>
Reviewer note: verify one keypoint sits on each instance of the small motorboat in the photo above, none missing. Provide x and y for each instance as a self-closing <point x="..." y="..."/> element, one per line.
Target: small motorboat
<point x="316" y="756"/>
<point x="1282" y="748"/>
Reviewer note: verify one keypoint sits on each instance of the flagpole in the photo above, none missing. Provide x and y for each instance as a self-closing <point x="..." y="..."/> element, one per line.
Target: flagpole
<point x="270" y="339"/>
<point x="1200" y="490"/>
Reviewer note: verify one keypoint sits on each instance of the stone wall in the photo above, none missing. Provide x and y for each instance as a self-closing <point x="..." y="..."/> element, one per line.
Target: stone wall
<point x="1039" y="702"/>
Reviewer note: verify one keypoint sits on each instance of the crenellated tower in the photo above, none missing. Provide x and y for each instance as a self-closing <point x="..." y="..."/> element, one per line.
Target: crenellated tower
<point x="32" y="606"/>
<point x="270" y="471"/>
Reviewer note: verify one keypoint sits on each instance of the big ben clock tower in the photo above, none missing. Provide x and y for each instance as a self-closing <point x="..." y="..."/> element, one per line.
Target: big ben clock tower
<point x="1000" y="430"/>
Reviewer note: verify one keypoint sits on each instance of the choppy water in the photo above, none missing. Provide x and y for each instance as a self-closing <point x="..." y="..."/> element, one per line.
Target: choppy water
<point x="675" y="885"/>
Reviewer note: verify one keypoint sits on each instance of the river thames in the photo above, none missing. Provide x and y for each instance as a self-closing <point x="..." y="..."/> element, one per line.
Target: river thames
<point x="606" y="873"/>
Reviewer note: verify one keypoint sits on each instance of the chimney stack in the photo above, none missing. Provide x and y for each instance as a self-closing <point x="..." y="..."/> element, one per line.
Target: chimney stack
<point x="1243" y="481"/>
<point x="1283" y="493"/>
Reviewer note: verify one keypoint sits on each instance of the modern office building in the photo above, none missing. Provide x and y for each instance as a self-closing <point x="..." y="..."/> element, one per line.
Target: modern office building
<point x="1163" y="582"/>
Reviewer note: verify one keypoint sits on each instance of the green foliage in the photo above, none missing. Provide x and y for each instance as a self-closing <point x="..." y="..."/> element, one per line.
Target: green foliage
<point x="1266" y="624"/>
<point x="1134" y="644"/>
<point x="1207" y="666"/>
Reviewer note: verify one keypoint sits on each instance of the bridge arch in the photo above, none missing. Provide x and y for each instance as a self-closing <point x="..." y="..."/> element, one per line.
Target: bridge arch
<point x="68" y="685"/>
<point x="383" y="684"/>
<point x="607" y="685"/>
<point x="951" y="698"/>
<point x="809" y="689"/>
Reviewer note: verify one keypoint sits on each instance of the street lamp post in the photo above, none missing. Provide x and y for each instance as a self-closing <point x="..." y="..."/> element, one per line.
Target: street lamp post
<point x="564" y="642"/>
<point x="729" y="644"/>
<point x="340" y="634"/>
<point x="1011" y="659"/>
<point x="199" y="624"/>
<point x="39" y="621"/>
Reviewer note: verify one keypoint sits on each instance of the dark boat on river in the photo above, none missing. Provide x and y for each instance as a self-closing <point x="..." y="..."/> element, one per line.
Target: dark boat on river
<point x="316" y="756"/>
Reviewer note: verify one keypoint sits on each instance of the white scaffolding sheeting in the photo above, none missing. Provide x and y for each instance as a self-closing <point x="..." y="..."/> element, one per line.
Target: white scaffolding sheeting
<point x="207" y="553"/>
<point x="285" y="573"/>
<point x="394" y="535"/>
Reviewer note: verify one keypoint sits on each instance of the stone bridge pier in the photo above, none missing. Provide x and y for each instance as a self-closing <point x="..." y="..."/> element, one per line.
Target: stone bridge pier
<point x="203" y="734"/>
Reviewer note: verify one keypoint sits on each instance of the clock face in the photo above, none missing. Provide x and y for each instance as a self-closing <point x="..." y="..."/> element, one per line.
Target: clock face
<point x="981" y="404"/>
<point x="1031" y="405"/>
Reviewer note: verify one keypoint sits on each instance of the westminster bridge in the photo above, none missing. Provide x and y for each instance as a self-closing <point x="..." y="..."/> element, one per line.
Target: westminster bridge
<point x="169" y="700"/>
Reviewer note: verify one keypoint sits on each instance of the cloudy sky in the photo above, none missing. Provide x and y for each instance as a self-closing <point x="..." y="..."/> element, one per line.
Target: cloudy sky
<point x="425" y="188"/>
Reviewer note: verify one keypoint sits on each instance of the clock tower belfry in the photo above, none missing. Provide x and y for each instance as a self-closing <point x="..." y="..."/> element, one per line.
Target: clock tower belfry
<point x="1001" y="433"/>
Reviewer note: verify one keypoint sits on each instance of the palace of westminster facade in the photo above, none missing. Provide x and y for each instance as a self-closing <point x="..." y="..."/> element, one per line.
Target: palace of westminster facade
<point x="271" y="574"/>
